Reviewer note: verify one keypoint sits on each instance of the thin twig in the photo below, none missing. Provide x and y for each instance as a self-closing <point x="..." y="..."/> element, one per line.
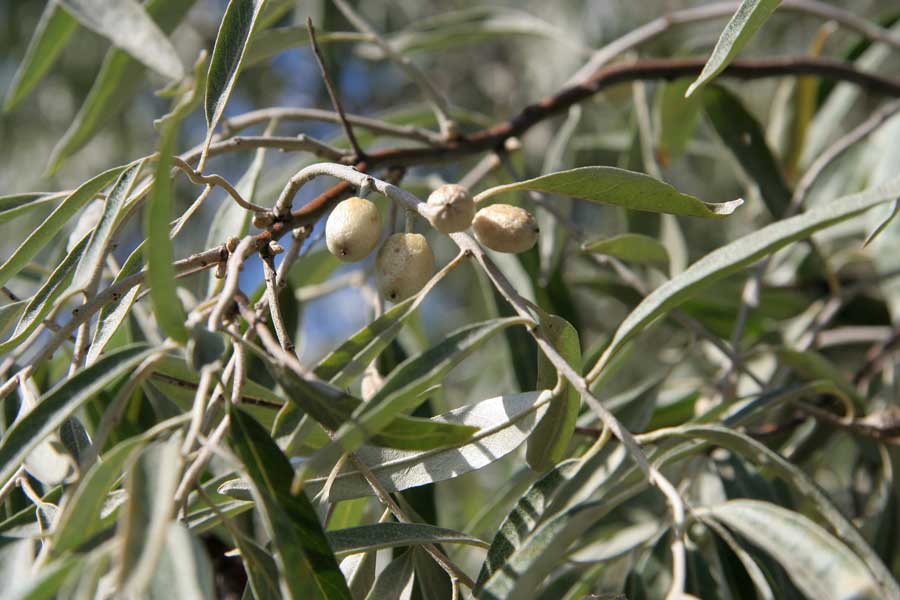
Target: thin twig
<point x="232" y="281"/>
<point x="335" y="101"/>
<point x="270" y="277"/>
<point x="217" y="180"/>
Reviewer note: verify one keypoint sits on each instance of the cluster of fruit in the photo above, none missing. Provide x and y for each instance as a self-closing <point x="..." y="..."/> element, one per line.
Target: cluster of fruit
<point x="405" y="262"/>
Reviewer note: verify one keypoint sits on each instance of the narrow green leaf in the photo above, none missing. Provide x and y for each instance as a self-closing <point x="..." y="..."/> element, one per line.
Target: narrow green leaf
<point x="366" y="538"/>
<point x="10" y="312"/>
<point x="503" y="424"/>
<point x="549" y="442"/>
<point x="50" y="37"/>
<point x="101" y="235"/>
<point x="231" y="44"/>
<point x="18" y="204"/>
<point x="45" y="584"/>
<point x="262" y="572"/>
<point x="631" y="247"/>
<point x="184" y="571"/>
<point x="744" y="137"/>
<point x="160" y="257"/>
<point x="611" y="185"/>
<point x="404" y="387"/>
<point x="82" y="508"/>
<point x="302" y="553"/>
<point x="54" y="223"/>
<point x="147" y="513"/>
<point x="58" y="404"/>
<point x="395" y="582"/>
<point x="40" y="305"/>
<point x="127" y="25"/>
<point x="113" y="314"/>
<point x="750" y="16"/>
<point x="737" y="255"/>
<point x="115" y="86"/>
<point x="678" y="119"/>
<point x="817" y="562"/>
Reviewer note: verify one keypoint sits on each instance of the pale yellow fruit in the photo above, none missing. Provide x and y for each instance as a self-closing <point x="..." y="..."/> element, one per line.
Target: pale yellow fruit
<point x="451" y="208"/>
<point x="505" y="228"/>
<point x="353" y="229"/>
<point x="403" y="266"/>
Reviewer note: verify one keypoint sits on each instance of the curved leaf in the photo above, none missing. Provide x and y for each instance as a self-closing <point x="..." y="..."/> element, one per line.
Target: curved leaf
<point x="51" y="35"/>
<point x="127" y="25"/>
<point x="366" y="538"/>
<point x="18" y="204"/>
<point x="747" y="20"/>
<point x="737" y="255"/>
<point x="58" y="404"/>
<point x="302" y="552"/>
<point x="54" y="223"/>
<point x="631" y="247"/>
<point x="112" y="314"/>
<point x="611" y="185"/>
<point x="228" y="53"/>
<point x="817" y="562"/>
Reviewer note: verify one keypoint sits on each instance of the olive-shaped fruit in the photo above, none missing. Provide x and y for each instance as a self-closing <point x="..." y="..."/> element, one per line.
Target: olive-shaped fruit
<point x="505" y="228"/>
<point x="403" y="266"/>
<point x="451" y="208"/>
<point x="353" y="229"/>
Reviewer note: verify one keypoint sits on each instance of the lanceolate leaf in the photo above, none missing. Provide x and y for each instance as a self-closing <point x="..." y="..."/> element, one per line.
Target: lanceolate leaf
<point x="10" y="312"/>
<point x="611" y="185"/>
<point x="737" y="255"/>
<point x="632" y="247"/>
<point x="184" y="571"/>
<point x="750" y="16"/>
<point x="56" y="405"/>
<point x="112" y="314"/>
<point x="18" y="204"/>
<point x="119" y="79"/>
<point x="302" y="553"/>
<point x="549" y="441"/>
<point x="54" y="223"/>
<point x="395" y="582"/>
<point x="262" y="572"/>
<point x="504" y="423"/>
<point x="92" y="259"/>
<point x="366" y="538"/>
<point x="127" y="25"/>
<point x="160" y="256"/>
<point x="678" y="118"/>
<point x="50" y="37"/>
<point x="817" y="562"/>
<point x="744" y="137"/>
<point x="228" y="53"/>
<point x="43" y="300"/>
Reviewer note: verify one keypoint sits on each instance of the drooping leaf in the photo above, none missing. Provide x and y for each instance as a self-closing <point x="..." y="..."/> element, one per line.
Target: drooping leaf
<point x="147" y="514"/>
<point x="744" y="137"/>
<point x="56" y="405"/>
<point x="54" y="223"/>
<point x="115" y="86"/>
<point x="127" y="25"/>
<point x="366" y="538"/>
<point x="42" y="303"/>
<point x="184" y="571"/>
<point x="305" y="559"/>
<point x="395" y="582"/>
<point x="158" y="250"/>
<point x="817" y="562"/>
<point x="50" y="37"/>
<point x="747" y="20"/>
<point x="262" y="572"/>
<point x="632" y="247"/>
<point x="504" y="423"/>
<point x="737" y="255"/>
<point x="678" y="119"/>
<point x="619" y="187"/>
<point x="548" y="443"/>
<point x="234" y="34"/>
<point x="101" y="235"/>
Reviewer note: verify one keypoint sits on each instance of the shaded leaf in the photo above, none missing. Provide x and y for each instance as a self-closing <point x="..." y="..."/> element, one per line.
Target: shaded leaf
<point x="611" y="185"/>
<point x="54" y="223"/>
<point x="302" y="553"/>
<point x="56" y="405"/>
<point x="50" y="37"/>
<point x="817" y="562"/>
<point x="678" y="119"/>
<point x="184" y="570"/>
<point x="737" y="255"/>
<point x="366" y="538"/>
<point x="395" y="582"/>
<point x="747" y="20"/>
<point x="116" y="311"/>
<point x="127" y="25"/>
<point x="631" y="247"/>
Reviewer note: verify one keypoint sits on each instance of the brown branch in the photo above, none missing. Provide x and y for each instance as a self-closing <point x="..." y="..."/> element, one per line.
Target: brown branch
<point x="329" y="86"/>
